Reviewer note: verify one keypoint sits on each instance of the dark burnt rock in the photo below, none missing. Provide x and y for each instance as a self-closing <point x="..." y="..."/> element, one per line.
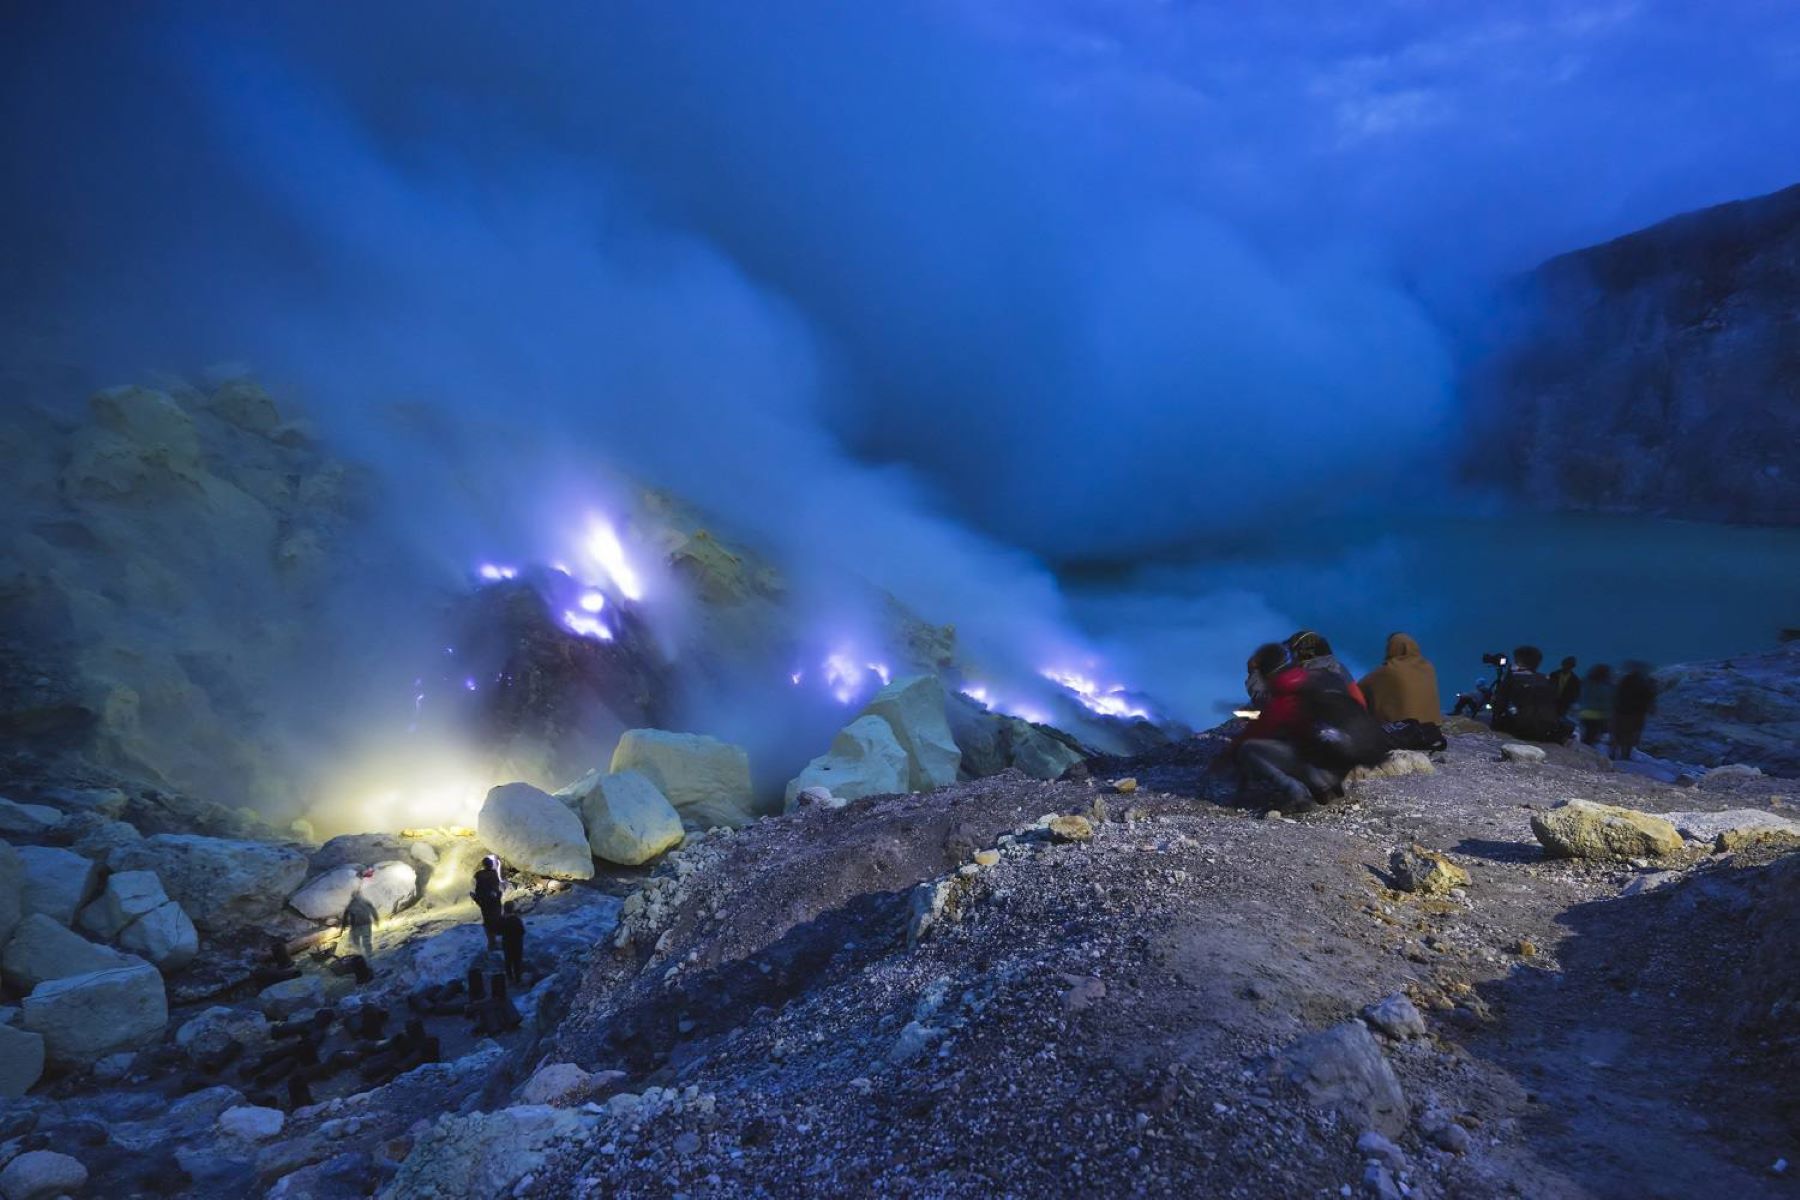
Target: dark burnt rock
<point x="536" y="681"/>
<point x="835" y="944"/>
<point x="35" y="704"/>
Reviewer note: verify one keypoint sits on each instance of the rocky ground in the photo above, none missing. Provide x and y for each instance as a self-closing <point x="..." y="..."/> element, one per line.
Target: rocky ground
<point x="1744" y="709"/>
<point x="1020" y="987"/>
<point x="1170" y="1007"/>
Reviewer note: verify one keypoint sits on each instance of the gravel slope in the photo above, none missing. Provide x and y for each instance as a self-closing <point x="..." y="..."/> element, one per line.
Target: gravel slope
<point x="1121" y="1014"/>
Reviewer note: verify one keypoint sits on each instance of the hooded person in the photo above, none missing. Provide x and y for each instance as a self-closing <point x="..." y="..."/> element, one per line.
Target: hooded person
<point x="1405" y="686"/>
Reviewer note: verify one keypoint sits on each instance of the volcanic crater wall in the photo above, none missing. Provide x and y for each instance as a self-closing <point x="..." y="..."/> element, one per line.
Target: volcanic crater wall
<point x="166" y="553"/>
<point x="1658" y="373"/>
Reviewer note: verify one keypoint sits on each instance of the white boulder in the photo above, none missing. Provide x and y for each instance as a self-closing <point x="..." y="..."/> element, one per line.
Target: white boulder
<point x="914" y="708"/>
<point x="219" y="882"/>
<point x="865" y="759"/>
<point x="324" y="897"/>
<point x="21" y="1061"/>
<point x="628" y="821"/>
<point x="42" y="1175"/>
<point x="86" y="1017"/>
<point x="708" y="781"/>
<point x="1396" y="1016"/>
<point x="127" y="896"/>
<point x="251" y="1123"/>
<point x="42" y="950"/>
<point x="113" y="1067"/>
<point x="1396" y="764"/>
<point x="535" y="832"/>
<point x="164" y="935"/>
<point x="391" y="886"/>
<point x="57" y="881"/>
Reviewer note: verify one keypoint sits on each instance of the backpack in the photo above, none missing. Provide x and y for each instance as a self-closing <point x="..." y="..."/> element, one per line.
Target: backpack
<point x="1531" y="709"/>
<point x="1415" y="735"/>
<point x="1342" y="733"/>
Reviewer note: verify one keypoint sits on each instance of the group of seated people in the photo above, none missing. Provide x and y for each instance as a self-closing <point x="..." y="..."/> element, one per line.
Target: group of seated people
<point x="1313" y="722"/>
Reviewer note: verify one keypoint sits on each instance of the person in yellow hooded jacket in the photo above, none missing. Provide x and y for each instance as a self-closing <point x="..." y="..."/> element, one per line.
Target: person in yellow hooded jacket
<point x="1404" y="687"/>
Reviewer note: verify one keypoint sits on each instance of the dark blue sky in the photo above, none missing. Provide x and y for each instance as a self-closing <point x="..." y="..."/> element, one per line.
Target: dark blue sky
<point x="1091" y="277"/>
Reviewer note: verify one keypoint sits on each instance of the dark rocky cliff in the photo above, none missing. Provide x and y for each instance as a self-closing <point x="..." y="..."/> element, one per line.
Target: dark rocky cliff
<point x="1657" y="373"/>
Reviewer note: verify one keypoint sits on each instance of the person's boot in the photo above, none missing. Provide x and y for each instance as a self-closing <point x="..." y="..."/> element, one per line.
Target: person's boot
<point x="1296" y="799"/>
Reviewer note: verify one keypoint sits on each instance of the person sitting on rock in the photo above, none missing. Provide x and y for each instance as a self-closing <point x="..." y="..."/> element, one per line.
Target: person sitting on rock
<point x="512" y="941"/>
<point x="1525" y="701"/>
<point x="1568" y="686"/>
<point x="488" y="895"/>
<point x="1271" y="747"/>
<point x="1595" y="713"/>
<point x="359" y="919"/>
<point x="1404" y="687"/>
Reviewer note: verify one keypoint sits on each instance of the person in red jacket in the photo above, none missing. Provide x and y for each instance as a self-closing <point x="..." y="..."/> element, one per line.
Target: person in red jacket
<point x="1270" y="747"/>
